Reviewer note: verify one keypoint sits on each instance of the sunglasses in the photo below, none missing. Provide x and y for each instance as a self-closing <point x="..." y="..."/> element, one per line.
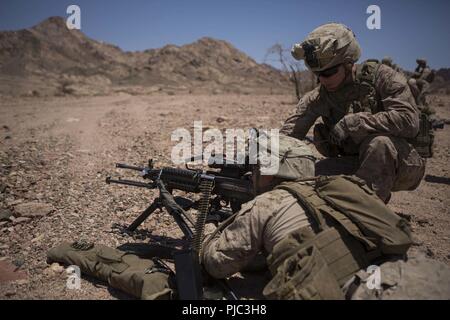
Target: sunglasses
<point x="328" y="72"/>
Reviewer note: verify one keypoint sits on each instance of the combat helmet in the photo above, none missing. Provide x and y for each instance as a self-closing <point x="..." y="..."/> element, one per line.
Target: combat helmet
<point x="291" y="159"/>
<point x="387" y="60"/>
<point x="327" y="46"/>
<point x="421" y="61"/>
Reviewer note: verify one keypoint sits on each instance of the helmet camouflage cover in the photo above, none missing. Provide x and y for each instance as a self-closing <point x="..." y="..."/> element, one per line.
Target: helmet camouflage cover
<point x="327" y="46"/>
<point x="293" y="158"/>
<point x="421" y="61"/>
<point x="387" y="60"/>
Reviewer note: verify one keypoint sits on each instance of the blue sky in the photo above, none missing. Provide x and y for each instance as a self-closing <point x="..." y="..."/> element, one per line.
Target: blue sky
<point x="409" y="28"/>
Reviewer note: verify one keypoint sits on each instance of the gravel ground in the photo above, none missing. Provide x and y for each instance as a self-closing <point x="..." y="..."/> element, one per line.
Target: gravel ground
<point x="55" y="154"/>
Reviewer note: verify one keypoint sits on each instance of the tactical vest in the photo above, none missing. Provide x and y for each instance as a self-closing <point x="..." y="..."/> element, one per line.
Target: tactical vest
<point x="359" y="96"/>
<point x="354" y="228"/>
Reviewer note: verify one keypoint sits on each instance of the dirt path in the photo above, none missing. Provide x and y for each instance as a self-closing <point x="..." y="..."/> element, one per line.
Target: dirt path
<point x="58" y="151"/>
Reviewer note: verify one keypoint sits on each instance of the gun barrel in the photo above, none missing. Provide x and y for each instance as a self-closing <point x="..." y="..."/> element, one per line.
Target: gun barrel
<point x="126" y="166"/>
<point x="131" y="183"/>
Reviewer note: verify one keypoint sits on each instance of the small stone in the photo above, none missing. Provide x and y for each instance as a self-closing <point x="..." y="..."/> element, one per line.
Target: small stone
<point x="21" y="281"/>
<point x="38" y="238"/>
<point x="5" y="214"/>
<point x="56" y="267"/>
<point x="21" y="220"/>
<point x="33" y="209"/>
<point x="48" y="272"/>
<point x="221" y="119"/>
<point x="9" y="293"/>
<point x="430" y="253"/>
<point x="422" y="222"/>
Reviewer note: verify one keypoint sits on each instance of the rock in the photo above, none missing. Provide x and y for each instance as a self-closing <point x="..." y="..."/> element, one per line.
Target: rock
<point x="72" y="120"/>
<point x="38" y="238"/>
<point x="33" y="209"/>
<point x="12" y="202"/>
<point x="221" y="119"/>
<point x="9" y="293"/>
<point x="21" y="220"/>
<point x="19" y="262"/>
<point x="48" y="272"/>
<point x="55" y="267"/>
<point x="5" y="214"/>
<point x="423" y="222"/>
<point x="3" y="187"/>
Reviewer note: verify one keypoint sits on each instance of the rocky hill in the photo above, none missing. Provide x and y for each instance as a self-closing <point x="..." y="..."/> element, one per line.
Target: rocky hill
<point x="51" y="59"/>
<point x="441" y="83"/>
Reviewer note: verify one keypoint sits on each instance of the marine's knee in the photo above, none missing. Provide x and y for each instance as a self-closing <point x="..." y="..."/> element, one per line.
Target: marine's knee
<point x="380" y="142"/>
<point x="380" y="147"/>
<point x="412" y="82"/>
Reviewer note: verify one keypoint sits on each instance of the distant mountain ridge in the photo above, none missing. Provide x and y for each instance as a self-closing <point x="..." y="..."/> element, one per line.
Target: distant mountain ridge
<point x="51" y="59"/>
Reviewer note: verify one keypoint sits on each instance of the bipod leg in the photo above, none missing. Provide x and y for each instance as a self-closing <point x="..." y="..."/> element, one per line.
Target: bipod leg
<point x="144" y="215"/>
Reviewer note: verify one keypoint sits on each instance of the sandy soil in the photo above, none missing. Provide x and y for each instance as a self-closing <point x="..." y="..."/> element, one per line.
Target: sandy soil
<point x="58" y="151"/>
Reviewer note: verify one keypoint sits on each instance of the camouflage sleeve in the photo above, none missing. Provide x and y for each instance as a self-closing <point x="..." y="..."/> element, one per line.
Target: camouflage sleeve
<point x="237" y="245"/>
<point x="400" y="116"/>
<point x="425" y="74"/>
<point x="307" y="112"/>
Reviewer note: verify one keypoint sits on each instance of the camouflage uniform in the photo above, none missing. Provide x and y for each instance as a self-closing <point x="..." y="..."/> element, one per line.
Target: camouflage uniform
<point x="416" y="278"/>
<point x="376" y="129"/>
<point x="390" y="63"/>
<point x="259" y="225"/>
<point x="418" y="83"/>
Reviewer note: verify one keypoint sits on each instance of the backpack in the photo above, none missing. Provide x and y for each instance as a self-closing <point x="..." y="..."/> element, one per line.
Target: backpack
<point x="354" y="229"/>
<point x="431" y="76"/>
<point x="142" y="278"/>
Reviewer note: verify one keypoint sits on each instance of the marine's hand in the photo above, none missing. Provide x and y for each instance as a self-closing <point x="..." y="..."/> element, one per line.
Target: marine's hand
<point x="338" y="134"/>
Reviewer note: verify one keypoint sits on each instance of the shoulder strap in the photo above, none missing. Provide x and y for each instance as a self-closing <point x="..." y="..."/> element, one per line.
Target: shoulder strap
<point x="317" y="206"/>
<point x="308" y="198"/>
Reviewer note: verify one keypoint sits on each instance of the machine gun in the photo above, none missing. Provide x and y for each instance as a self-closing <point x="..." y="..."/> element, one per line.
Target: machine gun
<point x="230" y="186"/>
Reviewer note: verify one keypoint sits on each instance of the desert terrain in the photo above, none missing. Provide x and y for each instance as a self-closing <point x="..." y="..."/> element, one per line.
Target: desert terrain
<point x="71" y="107"/>
<point x="55" y="153"/>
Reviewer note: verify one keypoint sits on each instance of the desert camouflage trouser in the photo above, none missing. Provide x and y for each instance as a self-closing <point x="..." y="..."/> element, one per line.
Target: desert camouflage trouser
<point x="386" y="163"/>
<point x="418" y="88"/>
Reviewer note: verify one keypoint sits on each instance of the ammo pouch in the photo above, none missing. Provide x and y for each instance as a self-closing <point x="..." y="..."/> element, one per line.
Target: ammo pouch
<point x="315" y="269"/>
<point x="354" y="228"/>
<point x="141" y="278"/>
<point x="424" y="140"/>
